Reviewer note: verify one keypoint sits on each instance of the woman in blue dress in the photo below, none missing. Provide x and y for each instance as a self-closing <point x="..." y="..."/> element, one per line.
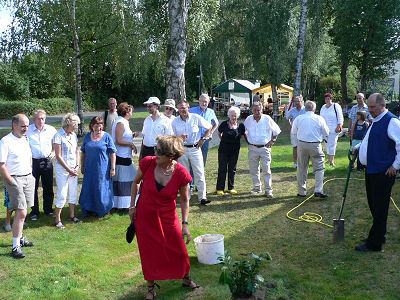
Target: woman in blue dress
<point x="98" y="168"/>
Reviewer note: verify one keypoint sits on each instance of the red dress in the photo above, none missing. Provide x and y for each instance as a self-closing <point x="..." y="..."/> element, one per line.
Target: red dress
<point x="158" y="230"/>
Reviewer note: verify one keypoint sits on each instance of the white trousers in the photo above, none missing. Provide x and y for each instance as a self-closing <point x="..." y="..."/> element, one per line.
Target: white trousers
<point x="193" y="158"/>
<point x="255" y="155"/>
<point x="305" y="151"/>
<point x="331" y="143"/>
<point x="67" y="188"/>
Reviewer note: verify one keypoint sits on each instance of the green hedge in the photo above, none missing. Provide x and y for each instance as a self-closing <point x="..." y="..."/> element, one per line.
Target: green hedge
<point x="52" y="106"/>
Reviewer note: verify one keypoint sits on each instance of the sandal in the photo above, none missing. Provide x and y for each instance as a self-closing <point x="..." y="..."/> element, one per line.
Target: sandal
<point x="75" y="220"/>
<point x="59" y="225"/>
<point x="151" y="291"/>
<point x="193" y="285"/>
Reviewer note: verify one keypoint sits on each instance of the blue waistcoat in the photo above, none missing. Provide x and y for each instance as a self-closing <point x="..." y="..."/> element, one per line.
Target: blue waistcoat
<point x="381" y="150"/>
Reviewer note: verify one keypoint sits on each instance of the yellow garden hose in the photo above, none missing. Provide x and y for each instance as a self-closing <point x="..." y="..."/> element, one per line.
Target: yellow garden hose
<point x="316" y="218"/>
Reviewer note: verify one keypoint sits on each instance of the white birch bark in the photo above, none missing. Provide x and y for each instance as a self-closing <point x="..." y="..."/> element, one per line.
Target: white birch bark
<point x="176" y="49"/>
<point x="78" y="78"/>
<point x="300" y="47"/>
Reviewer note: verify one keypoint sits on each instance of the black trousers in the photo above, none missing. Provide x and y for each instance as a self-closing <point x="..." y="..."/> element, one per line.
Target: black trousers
<point x="379" y="189"/>
<point x="227" y="161"/>
<point x="146" y="151"/>
<point x="43" y="168"/>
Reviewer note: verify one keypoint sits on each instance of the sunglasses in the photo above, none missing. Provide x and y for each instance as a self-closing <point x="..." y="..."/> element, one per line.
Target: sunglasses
<point x="149" y="105"/>
<point x="169" y="108"/>
<point x="158" y="152"/>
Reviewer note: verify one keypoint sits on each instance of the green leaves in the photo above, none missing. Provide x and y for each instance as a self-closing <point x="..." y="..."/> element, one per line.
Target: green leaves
<point x="242" y="276"/>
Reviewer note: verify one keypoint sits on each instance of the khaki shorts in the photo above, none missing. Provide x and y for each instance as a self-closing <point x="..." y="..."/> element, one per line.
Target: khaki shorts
<point x="21" y="191"/>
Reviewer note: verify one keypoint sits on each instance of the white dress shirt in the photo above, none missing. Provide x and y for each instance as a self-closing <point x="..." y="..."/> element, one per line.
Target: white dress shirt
<point x="154" y="128"/>
<point x="41" y="142"/>
<point x="16" y="154"/>
<point x="310" y="127"/>
<point x="191" y="127"/>
<point x="261" y="132"/>
<point x="393" y="132"/>
<point x="330" y="116"/>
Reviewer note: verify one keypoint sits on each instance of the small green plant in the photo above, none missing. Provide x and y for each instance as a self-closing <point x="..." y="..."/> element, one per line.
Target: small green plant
<point x="242" y="276"/>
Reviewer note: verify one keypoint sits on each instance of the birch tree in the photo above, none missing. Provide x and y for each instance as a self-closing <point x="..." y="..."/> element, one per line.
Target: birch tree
<point x="300" y="47"/>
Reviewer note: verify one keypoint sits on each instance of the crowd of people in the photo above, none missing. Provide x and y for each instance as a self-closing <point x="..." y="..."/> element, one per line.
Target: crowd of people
<point x="172" y="160"/>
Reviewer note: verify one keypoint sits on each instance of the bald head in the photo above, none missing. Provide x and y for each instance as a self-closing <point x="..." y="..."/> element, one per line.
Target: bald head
<point x="19" y="124"/>
<point x="376" y="104"/>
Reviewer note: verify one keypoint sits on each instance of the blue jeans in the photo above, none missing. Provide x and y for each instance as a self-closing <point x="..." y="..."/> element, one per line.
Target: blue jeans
<point x="204" y="151"/>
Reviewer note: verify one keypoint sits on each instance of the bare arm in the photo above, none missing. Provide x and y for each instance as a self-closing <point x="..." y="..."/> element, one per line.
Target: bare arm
<point x="4" y="173"/>
<point x="112" y="160"/>
<point x="183" y="191"/>
<point x="134" y="192"/>
<point x="220" y="135"/>
<point x="201" y="142"/>
<point x="83" y="162"/>
<point x="119" y="132"/>
<point x="352" y="131"/>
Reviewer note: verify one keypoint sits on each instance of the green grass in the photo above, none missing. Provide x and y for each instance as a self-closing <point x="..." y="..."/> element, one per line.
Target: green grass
<point x="92" y="260"/>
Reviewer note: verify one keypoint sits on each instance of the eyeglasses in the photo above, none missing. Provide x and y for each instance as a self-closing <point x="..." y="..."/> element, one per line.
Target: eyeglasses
<point x="169" y="108"/>
<point x="149" y="105"/>
<point x="158" y="152"/>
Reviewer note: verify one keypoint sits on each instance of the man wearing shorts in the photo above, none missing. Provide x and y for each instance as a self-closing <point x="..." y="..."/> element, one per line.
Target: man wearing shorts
<point x="16" y="170"/>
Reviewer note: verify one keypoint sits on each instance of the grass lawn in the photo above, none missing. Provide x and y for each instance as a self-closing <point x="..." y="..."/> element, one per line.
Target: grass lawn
<point x="92" y="260"/>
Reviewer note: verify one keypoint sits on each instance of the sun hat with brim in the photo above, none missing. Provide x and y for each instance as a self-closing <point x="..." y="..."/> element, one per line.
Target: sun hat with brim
<point x="152" y="100"/>
<point x="170" y="103"/>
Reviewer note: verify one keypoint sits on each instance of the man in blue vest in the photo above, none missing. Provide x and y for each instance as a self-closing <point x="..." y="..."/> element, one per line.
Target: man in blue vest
<point x="380" y="152"/>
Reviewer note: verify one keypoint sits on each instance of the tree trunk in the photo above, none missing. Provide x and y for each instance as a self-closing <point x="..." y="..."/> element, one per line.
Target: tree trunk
<point x="343" y="80"/>
<point x="223" y="68"/>
<point x="275" y="106"/>
<point x="78" y="78"/>
<point x="176" y="49"/>
<point x="300" y="47"/>
<point x="203" y="85"/>
<point x="363" y="73"/>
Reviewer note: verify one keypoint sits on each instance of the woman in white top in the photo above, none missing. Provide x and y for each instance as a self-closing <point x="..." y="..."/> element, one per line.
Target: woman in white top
<point x="125" y="170"/>
<point x="66" y="167"/>
<point x="332" y="113"/>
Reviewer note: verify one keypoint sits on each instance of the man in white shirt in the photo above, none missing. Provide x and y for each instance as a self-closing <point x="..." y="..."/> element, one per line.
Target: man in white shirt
<point x="261" y="134"/>
<point x="110" y="115"/>
<point x="309" y="130"/>
<point x="41" y="142"/>
<point x="154" y="125"/>
<point x="380" y="152"/>
<point x="292" y="114"/>
<point x="187" y="126"/>
<point x="16" y="170"/>
<point x="355" y="108"/>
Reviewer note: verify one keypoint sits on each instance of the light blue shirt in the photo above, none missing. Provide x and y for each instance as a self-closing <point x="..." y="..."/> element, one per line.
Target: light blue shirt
<point x="294" y="113"/>
<point x="41" y="142"/>
<point x="209" y="115"/>
<point x="68" y="147"/>
<point x="353" y="113"/>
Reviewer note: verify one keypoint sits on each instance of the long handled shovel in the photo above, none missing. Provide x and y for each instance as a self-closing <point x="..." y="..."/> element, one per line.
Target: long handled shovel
<point x="338" y="224"/>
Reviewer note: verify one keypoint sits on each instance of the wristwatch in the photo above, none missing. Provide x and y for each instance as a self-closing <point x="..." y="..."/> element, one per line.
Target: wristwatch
<point x="185" y="223"/>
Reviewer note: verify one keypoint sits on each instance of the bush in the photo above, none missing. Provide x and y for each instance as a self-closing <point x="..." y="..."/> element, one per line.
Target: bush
<point x="10" y="109"/>
<point x="52" y="106"/>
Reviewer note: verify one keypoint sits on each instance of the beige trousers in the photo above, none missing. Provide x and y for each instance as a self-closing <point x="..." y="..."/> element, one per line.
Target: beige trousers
<point x="305" y="151"/>
<point x="255" y="155"/>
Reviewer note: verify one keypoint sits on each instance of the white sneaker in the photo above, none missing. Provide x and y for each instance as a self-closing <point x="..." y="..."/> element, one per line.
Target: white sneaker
<point x="255" y="191"/>
<point x="269" y="195"/>
<point x="294" y="166"/>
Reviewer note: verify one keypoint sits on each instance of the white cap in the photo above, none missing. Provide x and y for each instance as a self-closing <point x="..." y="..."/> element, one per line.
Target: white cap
<point x="152" y="100"/>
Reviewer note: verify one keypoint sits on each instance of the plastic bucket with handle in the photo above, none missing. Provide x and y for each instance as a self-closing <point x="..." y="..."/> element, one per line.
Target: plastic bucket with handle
<point x="209" y="247"/>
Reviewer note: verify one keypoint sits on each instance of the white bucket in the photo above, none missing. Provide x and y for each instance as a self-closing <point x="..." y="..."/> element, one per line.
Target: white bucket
<point x="209" y="247"/>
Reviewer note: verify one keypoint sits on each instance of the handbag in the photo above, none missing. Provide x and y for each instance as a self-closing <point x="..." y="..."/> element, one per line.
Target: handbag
<point x="131" y="230"/>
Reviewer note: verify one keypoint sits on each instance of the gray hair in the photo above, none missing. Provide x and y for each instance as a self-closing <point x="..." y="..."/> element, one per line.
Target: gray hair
<point x="205" y="96"/>
<point x="234" y="109"/>
<point x="310" y="105"/>
<point x="70" y="119"/>
<point x="15" y="119"/>
<point x="257" y="103"/>
<point x="38" y="112"/>
<point x="379" y="98"/>
<point x="361" y="94"/>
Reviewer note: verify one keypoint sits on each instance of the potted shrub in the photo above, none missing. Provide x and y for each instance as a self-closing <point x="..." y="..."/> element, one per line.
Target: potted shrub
<point x="242" y="276"/>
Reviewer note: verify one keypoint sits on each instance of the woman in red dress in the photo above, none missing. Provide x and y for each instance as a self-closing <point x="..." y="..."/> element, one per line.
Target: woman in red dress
<point x="161" y="239"/>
